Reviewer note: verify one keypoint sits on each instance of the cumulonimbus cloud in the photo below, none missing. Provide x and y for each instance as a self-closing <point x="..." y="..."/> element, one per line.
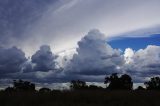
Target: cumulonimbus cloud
<point x="93" y="59"/>
<point x="94" y="56"/>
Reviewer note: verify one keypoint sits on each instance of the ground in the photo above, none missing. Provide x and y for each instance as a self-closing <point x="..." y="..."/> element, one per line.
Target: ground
<point x="81" y="98"/>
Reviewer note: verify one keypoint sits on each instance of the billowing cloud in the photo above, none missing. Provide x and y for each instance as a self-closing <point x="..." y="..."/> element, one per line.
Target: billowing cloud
<point x="144" y="62"/>
<point x="91" y="61"/>
<point x="43" y="59"/>
<point x="40" y="68"/>
<point x="94" y="56"/>
<point x="11" y="60"/>
<point x="128" y="55"/>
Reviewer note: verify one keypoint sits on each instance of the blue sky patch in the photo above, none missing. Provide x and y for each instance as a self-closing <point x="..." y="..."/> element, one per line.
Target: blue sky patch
<point x="135" y="43"/>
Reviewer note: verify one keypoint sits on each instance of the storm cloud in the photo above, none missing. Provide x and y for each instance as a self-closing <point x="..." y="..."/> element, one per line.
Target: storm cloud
<point x="11" y="60"/>
<point x="43" y="59"/>
<point x="93" y="59"/>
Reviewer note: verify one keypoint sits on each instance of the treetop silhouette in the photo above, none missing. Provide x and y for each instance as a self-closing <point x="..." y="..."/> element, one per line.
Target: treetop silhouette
<point x="153" y="84"/>
<point x="23" y="85"/>
<point x="124" y="82"/>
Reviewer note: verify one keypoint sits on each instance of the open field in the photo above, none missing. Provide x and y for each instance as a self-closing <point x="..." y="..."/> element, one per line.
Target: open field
<point x="82" y="98"/>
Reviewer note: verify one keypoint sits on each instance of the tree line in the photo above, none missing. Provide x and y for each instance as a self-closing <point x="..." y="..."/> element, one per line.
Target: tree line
<point x="113" y="82"/>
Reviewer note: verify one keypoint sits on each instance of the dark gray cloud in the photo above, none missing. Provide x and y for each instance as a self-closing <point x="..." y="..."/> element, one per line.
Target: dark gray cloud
<point x="42" y="60"/>
<point x="14" y="65"/>
<point x="11" y="60"/>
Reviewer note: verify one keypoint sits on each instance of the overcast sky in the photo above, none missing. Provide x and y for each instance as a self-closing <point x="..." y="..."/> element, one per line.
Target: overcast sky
<point x="62" y="23"/>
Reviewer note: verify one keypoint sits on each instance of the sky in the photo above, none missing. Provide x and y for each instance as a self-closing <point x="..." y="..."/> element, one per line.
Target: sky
<point x="47" y="41"/>
<point x="136" y="43"/>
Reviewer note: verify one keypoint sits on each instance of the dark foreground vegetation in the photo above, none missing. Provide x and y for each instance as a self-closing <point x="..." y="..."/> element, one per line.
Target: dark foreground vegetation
<point x="82" y="98"/>
<point x="118" y="92"/>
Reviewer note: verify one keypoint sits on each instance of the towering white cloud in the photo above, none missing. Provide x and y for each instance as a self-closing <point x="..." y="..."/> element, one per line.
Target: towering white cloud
<point x="128" y="55"/>
<point x="145" y="62"/>
<point x="148" y="58"/>
<point x="94" y="56"/>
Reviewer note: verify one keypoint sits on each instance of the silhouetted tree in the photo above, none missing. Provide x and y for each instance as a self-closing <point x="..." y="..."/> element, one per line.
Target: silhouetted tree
<point x="140" y="88"/>
<point x="21" y="85"/>
<point x="9" y="89"/>
<point x="77" y="85"/>
<point x="153" y="84"/>
<point x="56" y="91"/>
<point x="94" y="87"/>
<point x="115" y="83"/>
<point x="44" y="90"/>
<point x="126" y="82"/>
